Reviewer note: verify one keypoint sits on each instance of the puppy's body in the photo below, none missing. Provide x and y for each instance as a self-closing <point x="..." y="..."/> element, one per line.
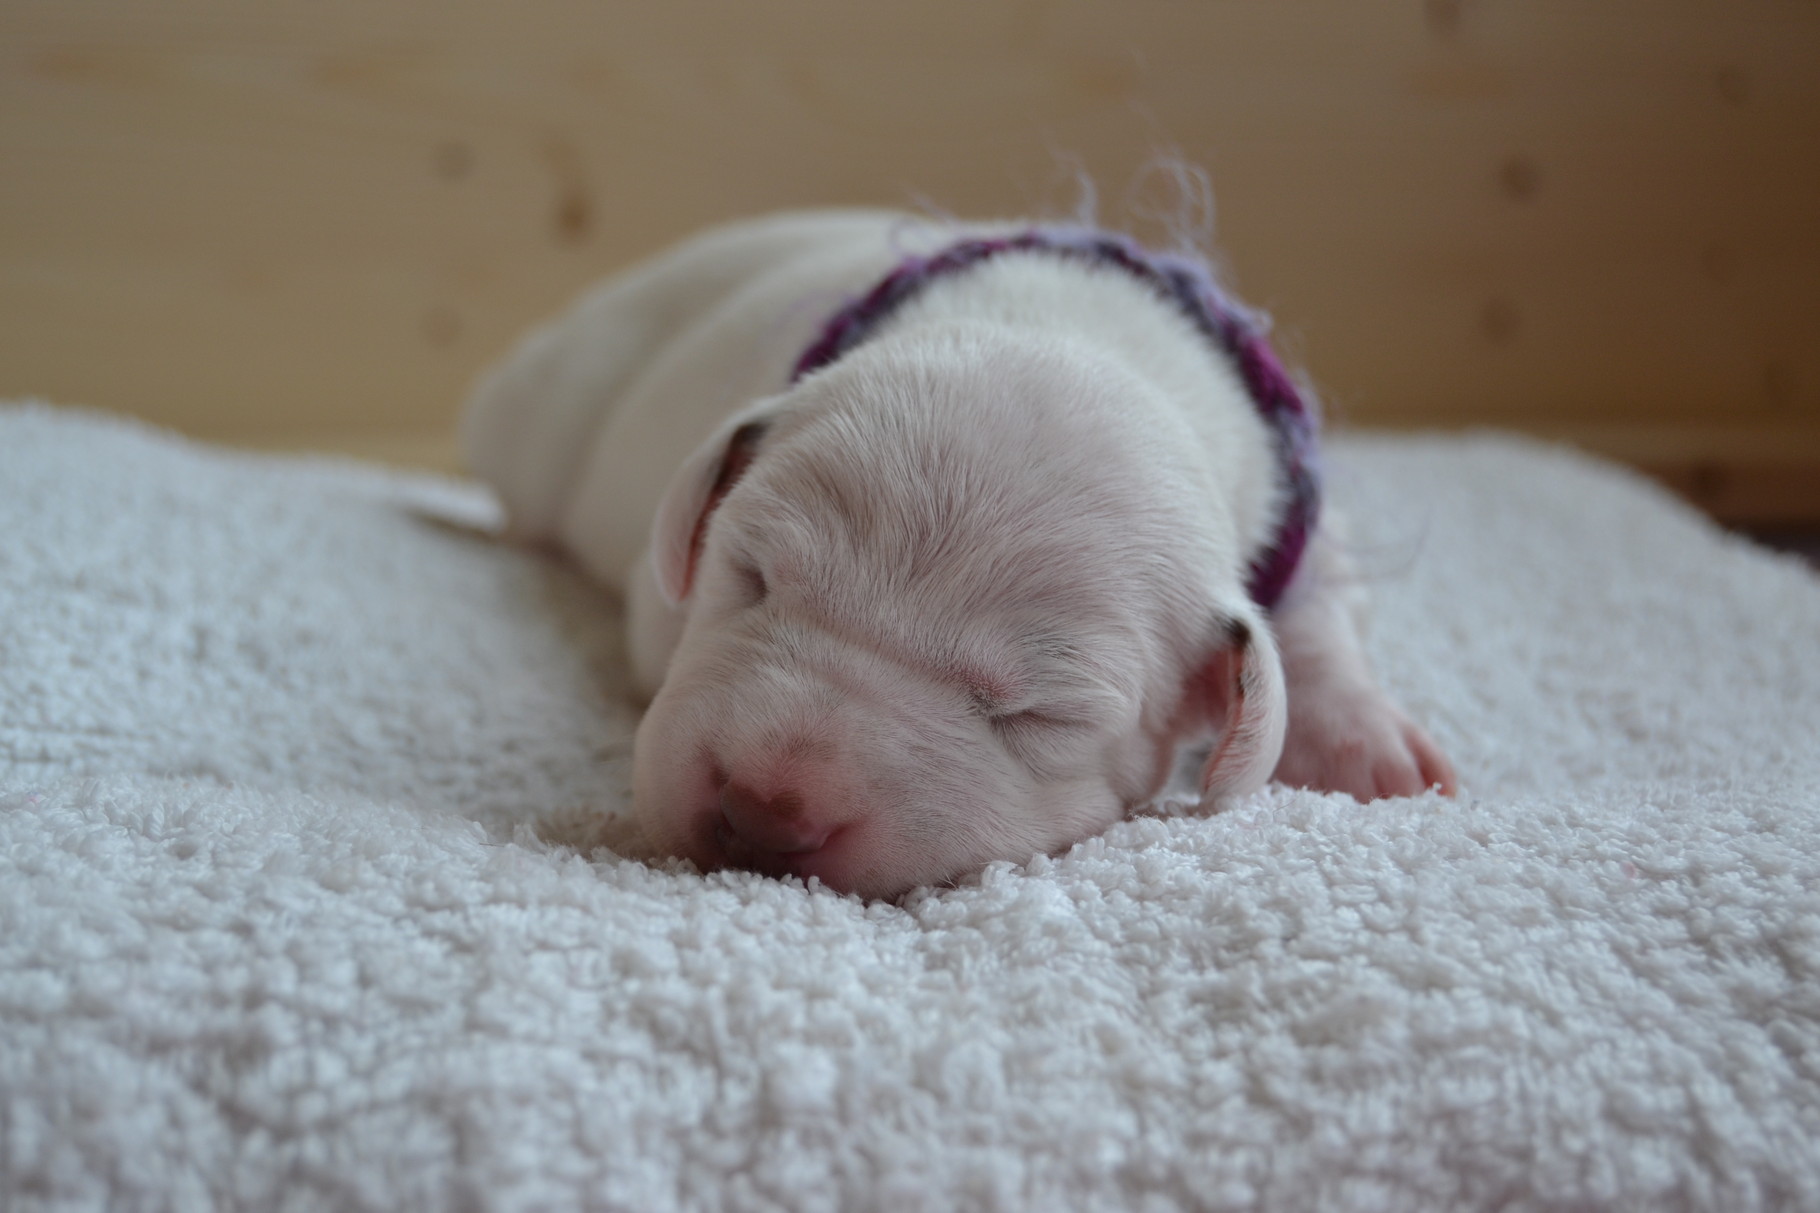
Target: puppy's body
<point x="958" y="595"/>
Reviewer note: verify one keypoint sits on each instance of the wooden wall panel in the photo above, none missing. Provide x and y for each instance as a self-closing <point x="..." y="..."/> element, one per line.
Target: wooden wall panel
<point x="313" y="221"/>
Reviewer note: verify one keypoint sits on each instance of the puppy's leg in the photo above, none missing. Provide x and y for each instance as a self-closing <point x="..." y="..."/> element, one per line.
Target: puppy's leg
<point x="1344" y="734"/>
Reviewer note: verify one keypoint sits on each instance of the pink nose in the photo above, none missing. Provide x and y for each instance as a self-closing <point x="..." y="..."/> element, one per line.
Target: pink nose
<point x="758" y="832"/>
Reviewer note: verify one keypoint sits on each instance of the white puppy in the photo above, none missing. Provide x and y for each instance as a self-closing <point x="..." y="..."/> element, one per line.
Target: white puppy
<point x="938" y="542"/>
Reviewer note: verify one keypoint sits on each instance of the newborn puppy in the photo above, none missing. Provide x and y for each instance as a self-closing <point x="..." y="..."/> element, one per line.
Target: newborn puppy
<point x="938" y="541"/>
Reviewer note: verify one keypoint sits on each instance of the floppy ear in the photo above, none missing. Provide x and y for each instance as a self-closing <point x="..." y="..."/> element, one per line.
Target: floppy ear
<point x="696" y="489"/>
<point x="1238" y="693"/>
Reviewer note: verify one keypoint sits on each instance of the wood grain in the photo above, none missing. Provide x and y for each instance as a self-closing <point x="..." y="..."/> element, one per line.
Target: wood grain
<point x="268" y="222"/>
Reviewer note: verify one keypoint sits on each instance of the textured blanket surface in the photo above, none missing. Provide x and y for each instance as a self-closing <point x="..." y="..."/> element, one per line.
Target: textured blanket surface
<point x="299" y="908"/>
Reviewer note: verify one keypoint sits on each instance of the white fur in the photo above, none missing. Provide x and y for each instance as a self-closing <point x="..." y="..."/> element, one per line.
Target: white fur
<point x="979" y="580"/>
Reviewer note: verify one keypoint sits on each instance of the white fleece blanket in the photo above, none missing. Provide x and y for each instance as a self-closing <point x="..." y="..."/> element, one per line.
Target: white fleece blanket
<point x="297" y="907"/>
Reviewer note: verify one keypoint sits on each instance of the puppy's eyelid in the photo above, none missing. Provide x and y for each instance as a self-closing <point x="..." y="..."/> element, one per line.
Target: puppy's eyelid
<point x="1032" y="735"/>
<point x="998" y="704"/>
<point x="1032" y="718"/>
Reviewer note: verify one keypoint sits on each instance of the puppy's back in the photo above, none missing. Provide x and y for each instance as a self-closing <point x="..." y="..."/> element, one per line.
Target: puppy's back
<point x="530" y="424"/>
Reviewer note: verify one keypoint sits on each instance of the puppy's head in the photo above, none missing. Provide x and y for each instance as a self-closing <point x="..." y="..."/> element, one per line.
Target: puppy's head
<point x="942" y="603"/>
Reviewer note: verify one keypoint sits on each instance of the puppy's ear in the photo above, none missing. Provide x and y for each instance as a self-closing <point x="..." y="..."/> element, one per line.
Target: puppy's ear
<point x="1238" y="693"/>
<point x="706" y="476"/>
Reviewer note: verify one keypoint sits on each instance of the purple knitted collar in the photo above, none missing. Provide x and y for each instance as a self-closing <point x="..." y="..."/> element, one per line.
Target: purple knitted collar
<point x="1186" y="282"/>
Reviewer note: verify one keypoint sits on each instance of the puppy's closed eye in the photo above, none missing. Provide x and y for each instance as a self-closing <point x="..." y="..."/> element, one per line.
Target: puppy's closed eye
<point x="1028" y="719"/>
<point x="1031" y="732"/>
<point x="1042" y="739"/>
<point x="997" y="703"/>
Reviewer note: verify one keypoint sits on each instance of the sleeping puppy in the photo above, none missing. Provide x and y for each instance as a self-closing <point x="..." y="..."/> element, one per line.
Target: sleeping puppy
<point x="939" y="542"/>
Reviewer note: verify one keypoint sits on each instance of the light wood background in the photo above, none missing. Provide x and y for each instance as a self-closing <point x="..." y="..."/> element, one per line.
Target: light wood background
<point x="309" y="222"/>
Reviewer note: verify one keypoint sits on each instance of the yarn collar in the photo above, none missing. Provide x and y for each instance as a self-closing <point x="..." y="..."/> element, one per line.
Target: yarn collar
<point x="1292" y="415"/>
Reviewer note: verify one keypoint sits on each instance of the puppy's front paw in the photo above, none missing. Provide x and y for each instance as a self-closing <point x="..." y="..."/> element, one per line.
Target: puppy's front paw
<point x="1356" y="741"/>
